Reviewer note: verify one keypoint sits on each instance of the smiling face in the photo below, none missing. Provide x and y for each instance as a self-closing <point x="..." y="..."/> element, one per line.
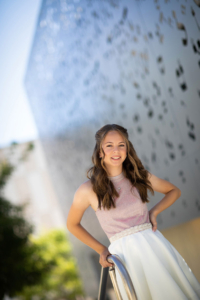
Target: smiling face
<point x="114" y="147"/>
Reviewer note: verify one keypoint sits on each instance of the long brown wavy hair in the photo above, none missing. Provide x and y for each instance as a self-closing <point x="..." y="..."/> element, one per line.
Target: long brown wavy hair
<point x="133" y="169"/>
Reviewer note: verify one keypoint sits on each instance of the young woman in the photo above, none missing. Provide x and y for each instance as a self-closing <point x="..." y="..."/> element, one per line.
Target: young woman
<point x="117" y="191"/>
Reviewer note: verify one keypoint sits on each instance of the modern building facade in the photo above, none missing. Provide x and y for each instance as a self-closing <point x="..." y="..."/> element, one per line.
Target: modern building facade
<point x="134" y="63"/>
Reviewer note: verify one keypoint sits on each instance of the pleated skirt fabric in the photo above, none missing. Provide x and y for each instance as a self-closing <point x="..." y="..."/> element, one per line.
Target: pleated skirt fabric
<point x="157" y="269"/>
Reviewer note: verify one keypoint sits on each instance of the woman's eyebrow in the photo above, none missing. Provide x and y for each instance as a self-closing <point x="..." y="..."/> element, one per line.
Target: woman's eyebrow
<point x="112" y="142"/>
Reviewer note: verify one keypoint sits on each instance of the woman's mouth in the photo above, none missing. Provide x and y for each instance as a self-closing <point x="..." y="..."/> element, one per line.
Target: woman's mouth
<point x="116" y="158"/>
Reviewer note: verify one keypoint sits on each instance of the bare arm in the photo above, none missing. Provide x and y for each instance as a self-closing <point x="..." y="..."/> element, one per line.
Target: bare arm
<point x="78" y="207"/>
<point x="172" y="193"/>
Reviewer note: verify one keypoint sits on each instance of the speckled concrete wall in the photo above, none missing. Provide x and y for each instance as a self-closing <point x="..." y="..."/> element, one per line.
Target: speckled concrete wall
<point x="134" y="63"/>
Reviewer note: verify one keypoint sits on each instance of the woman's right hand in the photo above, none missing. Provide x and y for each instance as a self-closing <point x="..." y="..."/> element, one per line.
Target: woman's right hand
<point x="103" y="258"/>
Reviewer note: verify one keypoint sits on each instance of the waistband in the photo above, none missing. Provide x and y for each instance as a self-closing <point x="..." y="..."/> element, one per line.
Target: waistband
<point x="130" y="231"/>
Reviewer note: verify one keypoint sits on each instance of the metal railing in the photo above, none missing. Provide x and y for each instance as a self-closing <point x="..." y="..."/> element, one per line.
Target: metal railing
<point x="128" y="285"/>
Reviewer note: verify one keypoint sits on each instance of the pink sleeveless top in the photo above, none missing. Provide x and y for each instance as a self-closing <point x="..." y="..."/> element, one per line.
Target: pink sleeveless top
<point x="129" y="211"/>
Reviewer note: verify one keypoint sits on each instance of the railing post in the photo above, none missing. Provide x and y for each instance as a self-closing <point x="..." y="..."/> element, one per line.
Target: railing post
<point x="128" y="285"/>
<point x="114" y="283"/>
<point x="127" y="282"/>
<point x="102" y="284"/>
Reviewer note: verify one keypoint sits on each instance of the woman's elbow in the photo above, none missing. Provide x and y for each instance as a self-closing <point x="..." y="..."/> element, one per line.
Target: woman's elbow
<point x="68" y="224"/>
<point x="71" y="226"/>
<point x="179" y="192"/>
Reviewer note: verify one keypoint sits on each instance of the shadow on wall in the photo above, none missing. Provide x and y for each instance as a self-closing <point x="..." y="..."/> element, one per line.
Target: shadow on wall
<point x="134" y="63"/>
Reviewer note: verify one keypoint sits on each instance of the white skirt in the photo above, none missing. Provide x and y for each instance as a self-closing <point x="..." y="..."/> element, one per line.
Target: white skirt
<point x="157" y="270"/>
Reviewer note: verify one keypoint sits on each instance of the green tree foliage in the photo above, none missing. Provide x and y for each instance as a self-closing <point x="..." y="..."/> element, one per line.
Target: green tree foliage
<point x="62" y="282"/>
<point x="29" y="266"/>
<point x="20" y="260"/>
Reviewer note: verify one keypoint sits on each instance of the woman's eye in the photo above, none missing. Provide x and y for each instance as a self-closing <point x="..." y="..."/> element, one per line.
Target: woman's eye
<point x="119" y="145"/>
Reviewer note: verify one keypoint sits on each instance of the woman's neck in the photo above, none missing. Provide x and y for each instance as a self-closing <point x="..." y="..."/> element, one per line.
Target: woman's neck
<point x="114" y="173"/>
<point x="117" y="178"/>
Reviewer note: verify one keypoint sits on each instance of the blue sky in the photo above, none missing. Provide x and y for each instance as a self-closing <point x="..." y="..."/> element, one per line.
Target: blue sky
<point x="18" y="21"/>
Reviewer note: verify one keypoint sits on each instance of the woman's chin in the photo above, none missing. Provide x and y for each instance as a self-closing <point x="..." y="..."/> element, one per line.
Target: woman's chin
<point x="116" y="162"/>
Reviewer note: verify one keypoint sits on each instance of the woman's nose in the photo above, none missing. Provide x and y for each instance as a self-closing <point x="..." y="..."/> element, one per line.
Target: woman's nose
<point x="115" y="148"/>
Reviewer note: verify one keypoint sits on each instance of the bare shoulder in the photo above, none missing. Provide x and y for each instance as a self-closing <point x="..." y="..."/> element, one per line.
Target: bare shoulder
<point x="87" y="195"/>
<point x="85" y="188"/>
<point x="161" y="185"/>
<point x="83" y="194"/>
<point x="81" y="202"/>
